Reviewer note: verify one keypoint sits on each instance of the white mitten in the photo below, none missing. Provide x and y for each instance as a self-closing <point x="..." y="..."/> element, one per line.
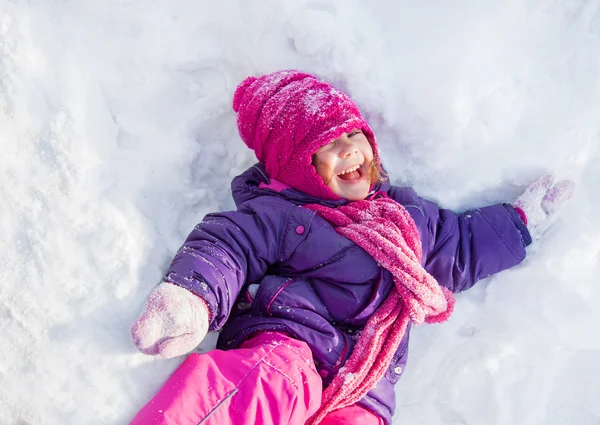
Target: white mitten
<point x="173" y="322"/>
<point x="540" y="202"/>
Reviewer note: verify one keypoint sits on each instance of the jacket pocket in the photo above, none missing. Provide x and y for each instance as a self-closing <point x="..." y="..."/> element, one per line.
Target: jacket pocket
<point x="297" y="228"/>
<point x="269" y="289"/>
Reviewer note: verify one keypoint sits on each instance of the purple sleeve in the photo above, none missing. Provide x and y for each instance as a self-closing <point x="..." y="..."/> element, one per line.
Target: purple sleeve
<point x="222" y="253"/>
<point x="459" y="250"/>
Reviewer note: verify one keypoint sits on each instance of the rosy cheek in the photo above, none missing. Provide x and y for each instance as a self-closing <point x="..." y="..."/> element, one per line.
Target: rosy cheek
<point x="324" y="172"/>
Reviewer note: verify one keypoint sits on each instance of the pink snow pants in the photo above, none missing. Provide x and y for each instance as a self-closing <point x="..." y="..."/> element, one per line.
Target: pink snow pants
<point x="270" y="380"/>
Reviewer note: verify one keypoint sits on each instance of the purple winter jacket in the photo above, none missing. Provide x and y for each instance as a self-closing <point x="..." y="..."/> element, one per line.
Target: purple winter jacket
<point x="318" y="286"/>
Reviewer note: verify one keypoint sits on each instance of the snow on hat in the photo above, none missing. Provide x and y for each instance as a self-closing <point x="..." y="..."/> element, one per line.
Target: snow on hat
<point x="286" y="116"/>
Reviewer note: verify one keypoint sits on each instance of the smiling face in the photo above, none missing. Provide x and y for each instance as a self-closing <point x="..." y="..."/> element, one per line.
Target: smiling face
<point x="345" y="165"/>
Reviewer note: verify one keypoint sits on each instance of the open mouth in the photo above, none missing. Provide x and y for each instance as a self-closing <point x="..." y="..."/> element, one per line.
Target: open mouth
<point x="352" y="174"/>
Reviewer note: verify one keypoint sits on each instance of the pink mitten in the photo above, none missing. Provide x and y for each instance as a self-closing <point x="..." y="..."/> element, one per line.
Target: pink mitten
<point x="540" y="202"/>
<point x="173" y="322"/>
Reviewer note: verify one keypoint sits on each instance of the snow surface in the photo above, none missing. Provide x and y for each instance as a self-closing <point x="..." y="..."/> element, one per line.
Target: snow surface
<point x="117" y="136"/>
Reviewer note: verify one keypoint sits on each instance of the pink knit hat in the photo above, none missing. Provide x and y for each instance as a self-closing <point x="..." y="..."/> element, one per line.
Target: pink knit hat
<point x="286" y="116"/>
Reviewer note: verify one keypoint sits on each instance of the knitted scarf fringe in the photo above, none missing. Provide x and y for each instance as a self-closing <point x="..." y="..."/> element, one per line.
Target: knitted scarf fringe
<point x="385" y="230"/>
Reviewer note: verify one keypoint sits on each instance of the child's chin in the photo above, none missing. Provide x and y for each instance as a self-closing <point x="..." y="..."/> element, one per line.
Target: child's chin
<point x="355" y="194"/>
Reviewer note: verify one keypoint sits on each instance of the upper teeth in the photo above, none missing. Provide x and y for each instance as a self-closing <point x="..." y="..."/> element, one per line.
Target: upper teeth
<point x="349" y="170"/>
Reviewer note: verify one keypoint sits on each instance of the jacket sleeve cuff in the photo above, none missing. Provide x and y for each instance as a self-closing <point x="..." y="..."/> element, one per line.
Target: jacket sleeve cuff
<point x="520" y="224"/>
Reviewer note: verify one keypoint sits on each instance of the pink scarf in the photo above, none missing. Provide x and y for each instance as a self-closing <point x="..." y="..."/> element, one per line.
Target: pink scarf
<point x="385" y="230"/>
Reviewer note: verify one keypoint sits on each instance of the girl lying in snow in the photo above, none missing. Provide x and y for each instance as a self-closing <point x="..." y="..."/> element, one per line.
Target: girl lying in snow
<point x="315" y="281"/>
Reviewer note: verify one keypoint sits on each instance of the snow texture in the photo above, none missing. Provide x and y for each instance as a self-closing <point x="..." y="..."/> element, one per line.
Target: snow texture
<point x="117" y="135"/>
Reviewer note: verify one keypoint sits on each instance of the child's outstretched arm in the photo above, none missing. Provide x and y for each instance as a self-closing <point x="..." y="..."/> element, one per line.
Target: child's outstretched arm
<point x="460" y="249"/>
<point x="206" y="275"/>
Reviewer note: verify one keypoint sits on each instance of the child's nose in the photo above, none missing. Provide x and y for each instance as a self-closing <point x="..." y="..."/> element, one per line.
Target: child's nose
<point x="347" y="148"/>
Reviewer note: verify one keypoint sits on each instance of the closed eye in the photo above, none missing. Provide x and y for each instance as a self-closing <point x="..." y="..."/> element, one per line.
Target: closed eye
<point x="327" y="146"/>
